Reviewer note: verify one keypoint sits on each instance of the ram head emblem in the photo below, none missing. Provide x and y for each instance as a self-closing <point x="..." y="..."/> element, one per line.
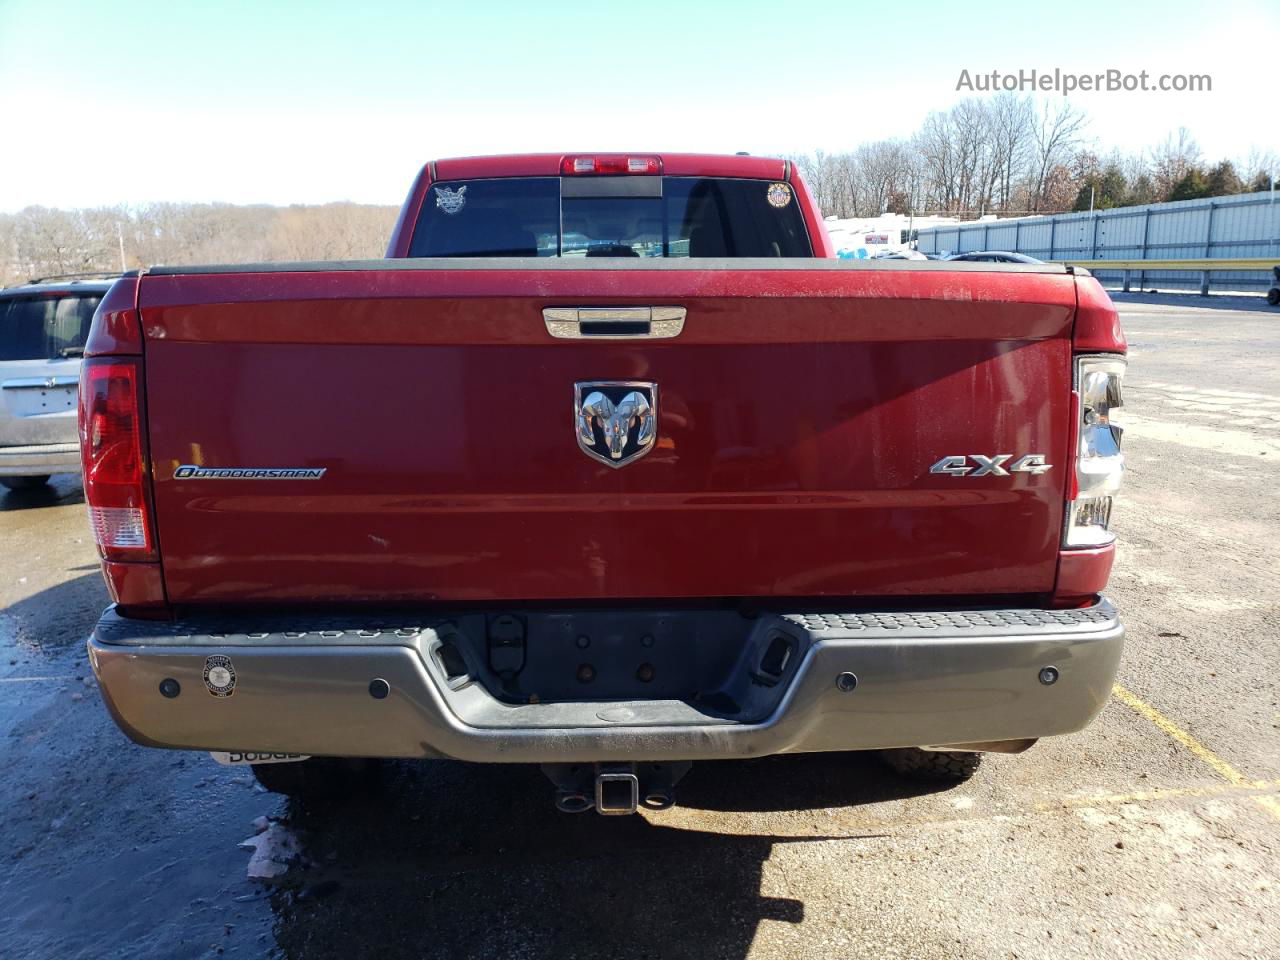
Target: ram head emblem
<point x="617" y="421"/>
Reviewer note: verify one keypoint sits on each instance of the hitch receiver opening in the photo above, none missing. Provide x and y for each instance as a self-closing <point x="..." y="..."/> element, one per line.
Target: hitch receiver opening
<point x="617" y="789"/>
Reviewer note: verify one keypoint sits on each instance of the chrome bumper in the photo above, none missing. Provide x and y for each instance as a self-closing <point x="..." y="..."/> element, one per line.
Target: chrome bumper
<point x="37" y="459"/>
<point x="347" y="688"/>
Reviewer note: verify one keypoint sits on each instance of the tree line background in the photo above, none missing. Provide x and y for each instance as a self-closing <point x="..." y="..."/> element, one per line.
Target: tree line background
<point x="42" y="242"/>
<point x="1005" y="155"/>
<point x="1014" y="156"/>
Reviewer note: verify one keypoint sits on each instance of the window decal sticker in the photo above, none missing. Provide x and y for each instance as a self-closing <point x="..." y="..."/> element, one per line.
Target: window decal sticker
<point x="451" y="201"/>
<point x="779" y="195"/>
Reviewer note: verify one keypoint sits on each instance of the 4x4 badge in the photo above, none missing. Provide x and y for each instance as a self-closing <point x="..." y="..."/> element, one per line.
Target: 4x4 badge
<point x="994" y="466"/>
<point x="616" y="420"/>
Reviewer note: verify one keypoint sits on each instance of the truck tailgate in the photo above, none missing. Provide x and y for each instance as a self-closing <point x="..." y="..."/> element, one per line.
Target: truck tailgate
<point x="799" y="413"/>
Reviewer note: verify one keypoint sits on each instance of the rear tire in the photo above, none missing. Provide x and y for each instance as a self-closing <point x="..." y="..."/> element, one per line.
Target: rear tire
<point x="933" y="765"/>
<point x="316" y="777"/>
<point x="24" y="483"/>
<point x="1273" y="296"/>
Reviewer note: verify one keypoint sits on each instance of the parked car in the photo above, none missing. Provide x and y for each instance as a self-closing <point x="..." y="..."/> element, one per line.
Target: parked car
<point x="43" y="326"/>
<point x="607" y="514"/>
<point x="994" y="256"/>
<point x="899" y="255"/>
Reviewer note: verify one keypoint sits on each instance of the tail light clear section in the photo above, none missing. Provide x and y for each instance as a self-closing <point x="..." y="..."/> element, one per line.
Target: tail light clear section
<point x="1099" y="460"/>
<point x="119" y="527"/>
<point x="111" y="449"/>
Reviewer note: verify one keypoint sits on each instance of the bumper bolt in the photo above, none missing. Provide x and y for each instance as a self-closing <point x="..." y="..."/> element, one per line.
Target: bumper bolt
<point x="1048" y="676"/>
<point x="846" y="681"/>
<point x="586" y="673"/>
<point x="645" y="673"/>
<point x="170" y="687"/>
<point x="583" y="642"/>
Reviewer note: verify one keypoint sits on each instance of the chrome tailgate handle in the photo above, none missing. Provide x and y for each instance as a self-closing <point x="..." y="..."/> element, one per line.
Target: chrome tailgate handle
<point x="614" y="323"/>
<point x="39" y="383"/>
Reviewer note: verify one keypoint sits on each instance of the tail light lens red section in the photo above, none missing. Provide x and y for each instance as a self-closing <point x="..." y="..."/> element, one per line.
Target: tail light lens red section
<point x="1097" y="327"/>
<point x="112" y="449"/>
<point x="117" y="329"/>
<point x="587" y="166"/>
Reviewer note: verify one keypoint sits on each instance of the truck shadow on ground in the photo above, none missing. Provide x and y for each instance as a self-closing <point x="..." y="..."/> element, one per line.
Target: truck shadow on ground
<point x="450" y="860"/>
<point x="56" y="620"/>
<point x="60" y="490"/>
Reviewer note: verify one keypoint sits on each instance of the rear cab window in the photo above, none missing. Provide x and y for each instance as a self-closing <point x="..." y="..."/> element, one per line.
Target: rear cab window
<point x="45" y="327"/>
<point x="610" y="217"/>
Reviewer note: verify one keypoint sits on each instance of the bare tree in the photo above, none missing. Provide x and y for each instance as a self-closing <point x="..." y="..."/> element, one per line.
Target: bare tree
<point x="1011" y="125"/>
<point x="1173" y="159"/>
<point x="1058" y="131"/>
<point x="936" y="143"/>
<point x="1259" y="169"/>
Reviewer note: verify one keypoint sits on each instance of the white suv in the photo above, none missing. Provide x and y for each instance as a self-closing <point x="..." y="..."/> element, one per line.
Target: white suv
<point x="43" y="325"/>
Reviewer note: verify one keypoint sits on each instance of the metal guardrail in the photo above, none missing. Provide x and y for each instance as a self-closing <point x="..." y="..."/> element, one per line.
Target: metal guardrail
<point x="1203" y="266"/>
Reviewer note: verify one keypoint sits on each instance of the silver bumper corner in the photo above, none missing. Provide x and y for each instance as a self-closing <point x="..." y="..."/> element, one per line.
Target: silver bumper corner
<point x="36" y="460"/>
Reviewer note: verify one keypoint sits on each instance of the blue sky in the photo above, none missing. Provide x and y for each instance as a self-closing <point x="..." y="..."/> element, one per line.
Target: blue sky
<point x="307" y="102"/>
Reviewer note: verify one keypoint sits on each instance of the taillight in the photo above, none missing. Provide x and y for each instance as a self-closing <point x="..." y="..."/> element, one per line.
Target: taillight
<point x="1099" y="461"/>
<point x="580" y="166"/>
<point x="111" y="449"/>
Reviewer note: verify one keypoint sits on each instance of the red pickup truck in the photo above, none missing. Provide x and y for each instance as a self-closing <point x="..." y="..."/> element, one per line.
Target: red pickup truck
<point x="610" y="466"/>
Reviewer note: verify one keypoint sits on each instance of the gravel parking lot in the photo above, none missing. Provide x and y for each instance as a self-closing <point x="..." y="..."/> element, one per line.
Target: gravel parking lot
<point x="1156" y="833"/>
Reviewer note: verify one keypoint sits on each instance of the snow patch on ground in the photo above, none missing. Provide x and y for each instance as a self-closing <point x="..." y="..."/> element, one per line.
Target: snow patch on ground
<point x="275" y="848"/>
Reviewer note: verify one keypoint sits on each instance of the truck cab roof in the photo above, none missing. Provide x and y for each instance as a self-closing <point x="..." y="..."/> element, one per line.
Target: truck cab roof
<point x="671" y="165"/>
